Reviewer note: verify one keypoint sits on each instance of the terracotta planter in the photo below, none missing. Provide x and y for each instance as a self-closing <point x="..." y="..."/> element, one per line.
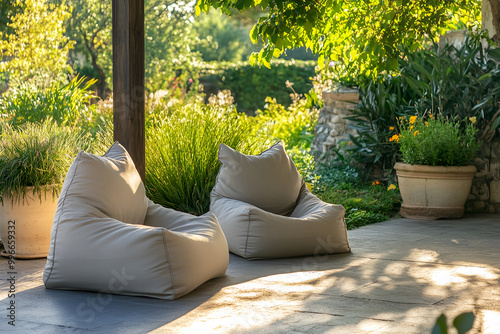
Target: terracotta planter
<point x="433" y="192"/>
<point x="29" y="223"/>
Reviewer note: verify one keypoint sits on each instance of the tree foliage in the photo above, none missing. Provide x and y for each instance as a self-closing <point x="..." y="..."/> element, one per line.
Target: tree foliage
<point x="363" y="36"/>
<point x="169" y="40"/>
<point x="224" y="38"/>
<point x="8" y="9"/>
<point x="90" y="27"/>
<point x="37" y="43"/>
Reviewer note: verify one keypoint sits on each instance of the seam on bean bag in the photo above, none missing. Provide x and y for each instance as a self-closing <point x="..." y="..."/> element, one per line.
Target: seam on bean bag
<point x="248" y="233"/>
<point x="169" y="263"/>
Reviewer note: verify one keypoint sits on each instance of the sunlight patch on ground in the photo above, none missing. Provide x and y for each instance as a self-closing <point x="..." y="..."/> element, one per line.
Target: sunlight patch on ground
<point x="444" y="276"/>
<point x="396" y="268"/>
<point x="347" y="284"/>
<point x="479" y="272"/>
<point x="234" y="318"/>
<point x="491" y="322"/>
<point x="422" y="255"/>
<point x="462" y="274"/>
<point x="370" y="325"/>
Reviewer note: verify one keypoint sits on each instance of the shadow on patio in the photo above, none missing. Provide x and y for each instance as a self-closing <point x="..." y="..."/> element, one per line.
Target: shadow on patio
<point x="400" y="277"/>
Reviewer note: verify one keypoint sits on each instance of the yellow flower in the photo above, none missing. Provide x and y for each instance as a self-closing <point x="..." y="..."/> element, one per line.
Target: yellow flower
<point x="394" y="138"/>
<point x="473" y="120"/>
<point x="391" y="187"/>
<point x="309" y="186"/>
<point x="411" y="127"/>
<point x="415" y="133"/>
<point x="413" y="119"/>
<point x="391" y="128"/>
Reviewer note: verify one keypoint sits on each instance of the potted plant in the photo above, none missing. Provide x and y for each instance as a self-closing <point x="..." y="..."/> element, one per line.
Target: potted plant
<point x="34" y="159"/>
<point x="435" y="178"/>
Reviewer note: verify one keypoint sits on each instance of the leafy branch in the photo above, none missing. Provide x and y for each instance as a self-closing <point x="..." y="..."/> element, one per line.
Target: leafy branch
<point x="363" y="35"/>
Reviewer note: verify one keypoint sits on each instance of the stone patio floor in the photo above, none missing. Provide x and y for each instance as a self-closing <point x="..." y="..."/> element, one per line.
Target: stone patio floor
<point x="401" y="275"/>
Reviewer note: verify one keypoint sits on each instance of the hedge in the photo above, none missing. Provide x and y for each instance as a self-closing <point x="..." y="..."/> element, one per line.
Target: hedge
<point x="250" y="85"/>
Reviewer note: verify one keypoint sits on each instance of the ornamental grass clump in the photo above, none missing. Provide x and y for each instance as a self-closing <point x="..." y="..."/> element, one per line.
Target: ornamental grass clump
<point x="182" y="146"/>
<point x="437" y="141"/>
<point x="35" y="155"/>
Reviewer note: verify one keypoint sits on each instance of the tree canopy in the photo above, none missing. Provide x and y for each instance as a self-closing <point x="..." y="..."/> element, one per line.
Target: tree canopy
<point x="37" y="42"/>
<point x="363" y="36"/>
<point x="223" y="38"/>
<point x="8" y="9"/>
<point x="90" y="27"/>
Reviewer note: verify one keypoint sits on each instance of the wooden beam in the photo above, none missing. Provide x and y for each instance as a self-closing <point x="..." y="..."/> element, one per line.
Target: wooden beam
<point x="128" y="79"/>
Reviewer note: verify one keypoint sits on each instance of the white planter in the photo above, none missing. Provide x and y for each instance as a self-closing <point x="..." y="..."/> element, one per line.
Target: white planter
<point x="433" y="192"/>
<point x="25" y="226"/>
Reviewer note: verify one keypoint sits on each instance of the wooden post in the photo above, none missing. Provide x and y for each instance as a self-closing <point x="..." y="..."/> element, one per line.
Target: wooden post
<point x="128" y="79"/>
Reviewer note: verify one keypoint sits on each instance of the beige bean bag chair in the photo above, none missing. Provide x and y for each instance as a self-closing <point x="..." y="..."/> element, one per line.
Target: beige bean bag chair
<point x="108" y="237"/>
<point x="266" y="210"/>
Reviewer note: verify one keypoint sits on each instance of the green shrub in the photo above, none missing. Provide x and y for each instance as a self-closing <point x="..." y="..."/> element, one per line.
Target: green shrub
<point x="459" y="83"/>
<point x="437" y="141"/>
<point x="381" y="102"/>
<point x="36" y="155"/>
<point x="67" y="105"/>
<point x="456" y="82"/>
<point x="181" y="152"/>
<point x="293" y="125"/>
<point x="305" y="163"/>
<point x="250" y="85"/>
<point x="344" y="177"/>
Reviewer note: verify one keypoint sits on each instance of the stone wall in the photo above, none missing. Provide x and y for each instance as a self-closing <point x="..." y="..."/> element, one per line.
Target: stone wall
<point x="332" y="126"/>
<point x="488" y="18"/>
<point x="485" y="192"/>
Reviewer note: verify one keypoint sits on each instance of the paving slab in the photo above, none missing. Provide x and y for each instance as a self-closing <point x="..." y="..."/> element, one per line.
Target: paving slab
<point x="401" y="275"/>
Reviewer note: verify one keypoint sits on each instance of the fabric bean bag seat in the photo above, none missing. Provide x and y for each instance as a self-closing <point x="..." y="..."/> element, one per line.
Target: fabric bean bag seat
<point x="107" y="236"/>
<point x="266" y="210"/>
